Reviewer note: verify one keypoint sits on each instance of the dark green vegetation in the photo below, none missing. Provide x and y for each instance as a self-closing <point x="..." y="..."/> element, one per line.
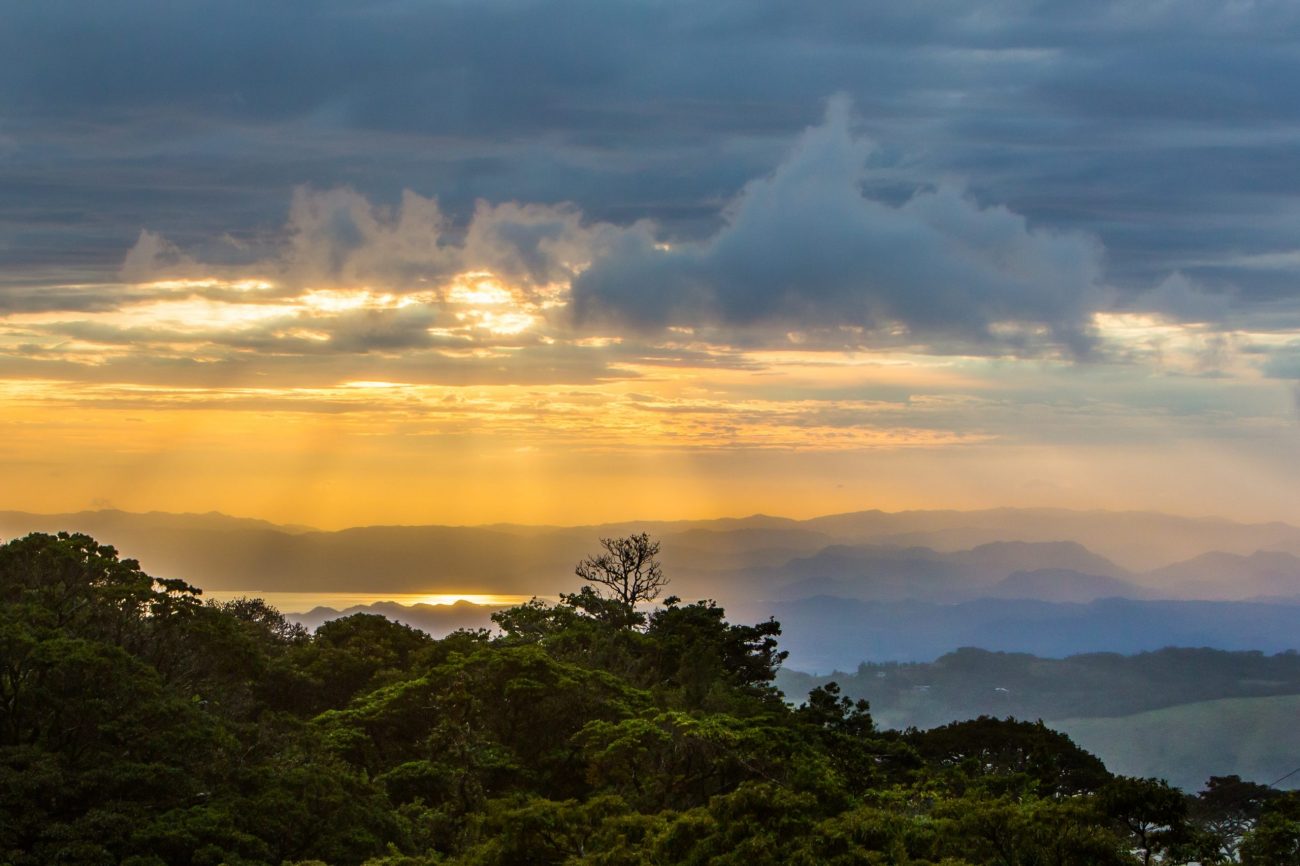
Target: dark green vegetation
<point x="139" y="725"/>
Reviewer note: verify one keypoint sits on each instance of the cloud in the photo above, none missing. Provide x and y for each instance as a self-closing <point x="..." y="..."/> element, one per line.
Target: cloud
<point x="531" y="244"/>
<point x="803" y="255"/>
<point x="1282" y="362"/>
<point x="1185" y="300"/>
<point x="153" y="256"/>
<point x="337" y="236"/>
<point x="805" y="248"/>
<point x="1165" y="132"/>
<point x="390" y="330"/>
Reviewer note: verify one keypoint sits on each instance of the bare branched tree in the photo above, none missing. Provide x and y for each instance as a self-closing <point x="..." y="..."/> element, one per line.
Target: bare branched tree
<point x="627" y="570"/>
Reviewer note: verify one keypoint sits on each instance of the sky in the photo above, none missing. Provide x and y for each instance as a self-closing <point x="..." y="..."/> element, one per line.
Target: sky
<point x="343" y="263"/>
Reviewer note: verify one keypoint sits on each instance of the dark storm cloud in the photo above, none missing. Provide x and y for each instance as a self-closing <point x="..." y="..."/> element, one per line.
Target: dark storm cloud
<point x="1165" y="130"/>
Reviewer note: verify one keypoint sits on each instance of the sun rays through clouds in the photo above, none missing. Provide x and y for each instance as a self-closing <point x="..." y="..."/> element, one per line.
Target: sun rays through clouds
<point x="366" y="341"/>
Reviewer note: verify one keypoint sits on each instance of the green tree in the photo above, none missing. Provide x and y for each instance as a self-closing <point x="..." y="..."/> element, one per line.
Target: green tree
<point x="1151" y="814"/>
<point x="1026" y="831"/>
<point x="1275" y="839"/>
<point x="625" y="575"/>
<point x="698" y="660"/>
<point x="1011" y="753"/>
<point x="142" y="727"/>
<point x="1224" y="813"/>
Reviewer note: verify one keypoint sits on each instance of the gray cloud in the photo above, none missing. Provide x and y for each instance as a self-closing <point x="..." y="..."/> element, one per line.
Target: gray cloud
<point x="1185" y="300"/>
<point x="367" y="330"/>
<point x="804" y="248"/>
<point x="1166" y="131"/>
<point x="225" y="366"/>
<point x="339" y="236"/>
<point x="1283" y="362"/>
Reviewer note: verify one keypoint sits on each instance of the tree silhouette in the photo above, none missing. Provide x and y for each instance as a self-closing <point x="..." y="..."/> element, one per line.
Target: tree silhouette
<point x="627" y="571"/>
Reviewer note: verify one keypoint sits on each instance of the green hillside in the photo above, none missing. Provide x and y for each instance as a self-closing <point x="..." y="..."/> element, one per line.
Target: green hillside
<point x="1255" y="738"/>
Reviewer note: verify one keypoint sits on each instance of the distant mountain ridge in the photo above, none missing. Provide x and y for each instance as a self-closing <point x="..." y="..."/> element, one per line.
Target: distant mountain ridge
<point x="110" y="518"/>
<point x="1227" y="575"/>
<point x="1053" y="554"/>
<point x="1067" y="585"/>
<point x="874" y="572"/>
<point x="842" y="599"/>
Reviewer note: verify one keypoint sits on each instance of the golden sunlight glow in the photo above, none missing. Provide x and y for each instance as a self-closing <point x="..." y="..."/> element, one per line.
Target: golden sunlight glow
<point x="373" y="385"/>
<point x="470" y="597"/>
<point x="344" y="300"/>
<point x="1137" y="326"/>
<point x="1177" y="347"/>
<point x="301" y="334"/>
<point x="478" y="288"/>
<point x="506" y="324"/>
<point x="482" y="302"/>
<point x="208" y="283"/>
<point x="321" y="406"/>
<point x="299" y="602"/>
<point x="188" y="315"/>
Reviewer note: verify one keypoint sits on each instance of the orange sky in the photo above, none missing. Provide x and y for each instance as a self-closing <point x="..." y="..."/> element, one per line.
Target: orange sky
<point x="183" y="401"/>
<point x="380" y="364"/>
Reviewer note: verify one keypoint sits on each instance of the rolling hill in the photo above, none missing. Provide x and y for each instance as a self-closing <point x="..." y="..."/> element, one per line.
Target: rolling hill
<point x="1255" y="738"/>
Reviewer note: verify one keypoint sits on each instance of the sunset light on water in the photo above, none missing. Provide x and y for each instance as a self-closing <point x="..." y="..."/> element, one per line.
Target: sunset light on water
<point x="301" y="602"/>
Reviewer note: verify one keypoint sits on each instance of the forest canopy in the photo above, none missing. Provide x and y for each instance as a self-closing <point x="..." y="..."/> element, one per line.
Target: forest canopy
<point x="142" y="725"/>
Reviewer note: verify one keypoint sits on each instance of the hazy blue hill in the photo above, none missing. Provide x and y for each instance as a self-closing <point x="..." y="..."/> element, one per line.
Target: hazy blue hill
<point x="1066" y="585"/>
<point x="1220" y="575"/>
<point x="746" y="541"/>
<point x="379" y="559"/>
<point x="882" y="573"/>
<point x="875" y="523"/>
<point x="705" y="559"/>
<point x="1024" y="555"/>
<point x="762" y="522"/>
<point x="112" y="520"/>
<point x="828" y="633"/>
<point x="1255" y="738"/>
<point x="868" y="573"/>
<point x="235" y="554"/>
<point x="732" y="559"/>
<point x="1137" y="540"/>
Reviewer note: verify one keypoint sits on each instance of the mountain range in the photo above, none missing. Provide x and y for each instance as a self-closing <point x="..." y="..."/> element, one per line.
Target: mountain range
<point x="870" y="555"/>
<point x="864" y="586"/>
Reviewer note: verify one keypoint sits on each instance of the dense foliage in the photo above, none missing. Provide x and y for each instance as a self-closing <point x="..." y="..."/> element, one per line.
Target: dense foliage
<point x="140" y="725"/>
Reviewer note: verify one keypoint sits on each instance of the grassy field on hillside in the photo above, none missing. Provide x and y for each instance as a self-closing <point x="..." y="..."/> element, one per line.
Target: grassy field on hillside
<point x="1255" y="738"/>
